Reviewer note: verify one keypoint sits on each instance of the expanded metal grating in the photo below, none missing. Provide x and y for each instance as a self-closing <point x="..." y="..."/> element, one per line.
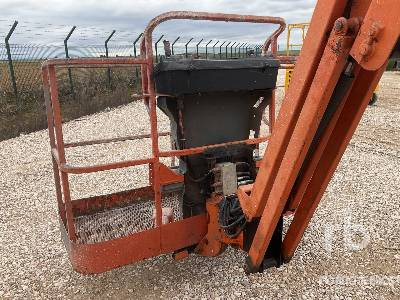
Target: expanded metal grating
<point x="122" y="221"/>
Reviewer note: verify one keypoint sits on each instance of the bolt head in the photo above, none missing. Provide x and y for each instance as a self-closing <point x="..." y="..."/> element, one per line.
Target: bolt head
<point x="341" y="26"/>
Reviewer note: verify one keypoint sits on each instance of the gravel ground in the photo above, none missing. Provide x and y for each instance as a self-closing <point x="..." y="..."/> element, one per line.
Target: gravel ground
<point x="350" y="250"/>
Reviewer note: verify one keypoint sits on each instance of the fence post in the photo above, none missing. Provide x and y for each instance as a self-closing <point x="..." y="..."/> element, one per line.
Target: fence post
<point x="186" y="46"/>
<point x="226" y="50"/>
<point x="134" y="44"/>
<point x="214" y="48"/>
<point x="156" y="46"/>
<point x="173" y="43"/>
<point x="207" y="49"/>
<point x="197" y="48"/>
<point x="243" y="47"/>
<point x="71" y="84"/>
<point x="236" y="47"/>
<point x="239" y="53"/>
<point x="106" y="45"/>
<point x="135" y="55"/>
<point x="232" y="46"/>
<point x="10" y="63"/>
<point x="220" y="50"/>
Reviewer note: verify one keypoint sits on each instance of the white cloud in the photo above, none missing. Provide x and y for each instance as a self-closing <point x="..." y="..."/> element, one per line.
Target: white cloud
<point x="129" y="17"/>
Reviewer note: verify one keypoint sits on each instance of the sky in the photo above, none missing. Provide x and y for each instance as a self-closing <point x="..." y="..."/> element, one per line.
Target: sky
<point x="48" y="21"/>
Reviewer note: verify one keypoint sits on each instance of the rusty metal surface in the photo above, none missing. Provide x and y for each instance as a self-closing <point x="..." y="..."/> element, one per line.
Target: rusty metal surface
<point x="331" y="65"/>
<point x="147" y="44"/>
<point x="105" y="232"/>
<point x="87" y="206"/>
<point x="337" y="140"/>
<point x="57" y="125"/>
<point x="93" y="62"/>
<point x="123" y="220"/>
<point x="287" y="59"/>
<point x="50" y="122"/>
<point x="168" y="176"/>
<point x="301" y="185"/>
<point x="66" y="168"/>
<point x="325" y="14"/>
<point x="112" y="140"/>
<point x="89" y="215"/>
<point x="104" y="256"/>
<point x="173" y="15"/>
<point x="378" y="35"/>
<point x="202" y="149"/>
<point x="215" y="241"/>
<point x="185" y="233"/>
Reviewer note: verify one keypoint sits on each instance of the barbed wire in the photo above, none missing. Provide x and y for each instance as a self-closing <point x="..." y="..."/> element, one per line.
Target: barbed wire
<point x="32" y="42"/>
<point x="27" y="58"/>
<point x="53" y="34"/>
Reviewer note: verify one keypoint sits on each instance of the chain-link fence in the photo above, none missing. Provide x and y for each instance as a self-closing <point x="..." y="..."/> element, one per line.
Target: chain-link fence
<point x="20" y="76"/>
<point x="83" y="91"/>
<point x="26" y="59"/>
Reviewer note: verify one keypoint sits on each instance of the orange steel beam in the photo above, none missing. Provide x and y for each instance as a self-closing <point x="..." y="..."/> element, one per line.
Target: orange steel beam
<point x="378" y="35"/>
<point x="387" y="32"/>
<point x="56" y="111"/>
<point x="52" y="138"/>
<point x="336" y="144"/>
<point x="370" y="47"/>
<point x="381" y="31"/>
<point x="332" y="64"/>
<point x="325" y="14"/>
<point x="310" y="166"/>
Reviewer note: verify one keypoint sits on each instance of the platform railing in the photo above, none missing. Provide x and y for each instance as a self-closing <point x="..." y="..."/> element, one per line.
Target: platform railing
<point x="60" y="166"/>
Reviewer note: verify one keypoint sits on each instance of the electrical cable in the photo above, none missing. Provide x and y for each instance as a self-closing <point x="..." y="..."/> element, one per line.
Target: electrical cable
<point x="231" y="217"/>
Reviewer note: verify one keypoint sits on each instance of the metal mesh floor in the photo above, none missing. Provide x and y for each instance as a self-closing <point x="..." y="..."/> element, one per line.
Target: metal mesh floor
<point x="122" y="221"/>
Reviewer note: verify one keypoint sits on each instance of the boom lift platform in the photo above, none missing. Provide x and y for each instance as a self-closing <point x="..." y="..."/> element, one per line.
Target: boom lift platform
<point x="222" y="195"/>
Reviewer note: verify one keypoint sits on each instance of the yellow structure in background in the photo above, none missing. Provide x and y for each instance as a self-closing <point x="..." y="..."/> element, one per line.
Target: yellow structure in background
<point x="289" y="46"/>
<point x="303" y="27"/>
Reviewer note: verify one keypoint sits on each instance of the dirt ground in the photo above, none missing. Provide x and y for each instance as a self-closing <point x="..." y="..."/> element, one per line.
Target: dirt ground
<point x="350" y="251"/>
